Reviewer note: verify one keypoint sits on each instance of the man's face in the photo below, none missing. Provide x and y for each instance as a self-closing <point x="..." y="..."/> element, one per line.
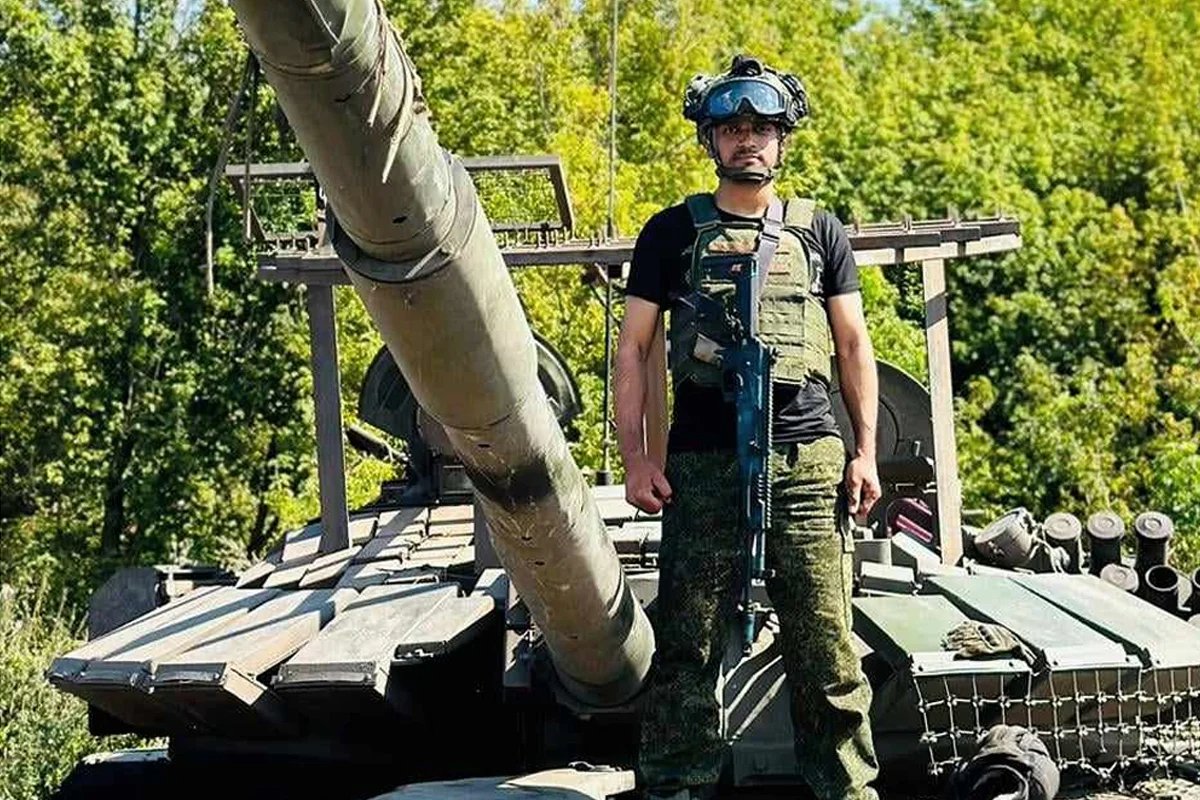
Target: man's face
<point x="747" y="142"/>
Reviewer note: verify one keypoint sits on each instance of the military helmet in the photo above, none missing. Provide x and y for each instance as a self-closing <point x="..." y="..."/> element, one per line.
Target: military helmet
<point x="748" y="87"/>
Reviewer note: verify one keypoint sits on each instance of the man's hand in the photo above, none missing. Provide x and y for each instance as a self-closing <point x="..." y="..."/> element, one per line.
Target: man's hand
<point x="646" y="486"/>
<point x="862" y="485"/>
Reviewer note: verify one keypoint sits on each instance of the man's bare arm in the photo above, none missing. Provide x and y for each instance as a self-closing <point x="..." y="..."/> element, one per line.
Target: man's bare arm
<point x="645" y="485"/>
<point x="656" y="398"/>
<point x="860" y="391"/>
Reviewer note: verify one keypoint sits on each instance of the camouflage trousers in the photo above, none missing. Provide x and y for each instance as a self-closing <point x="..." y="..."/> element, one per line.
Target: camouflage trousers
<point x="702" y="562"/>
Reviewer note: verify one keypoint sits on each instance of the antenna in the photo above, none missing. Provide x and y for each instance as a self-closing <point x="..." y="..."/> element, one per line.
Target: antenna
<point x="604" y="476"/>
<point x="612" y="124"/>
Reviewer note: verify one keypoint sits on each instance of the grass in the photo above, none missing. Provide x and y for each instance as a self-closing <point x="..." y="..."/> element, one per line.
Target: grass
<point x="43" y="732"/>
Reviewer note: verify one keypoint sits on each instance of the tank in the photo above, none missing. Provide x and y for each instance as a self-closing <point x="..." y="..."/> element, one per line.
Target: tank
<point x="483" y="626"/>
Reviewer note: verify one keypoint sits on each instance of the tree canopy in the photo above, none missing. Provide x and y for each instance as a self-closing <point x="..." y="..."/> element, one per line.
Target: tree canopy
<point x="143" y="420"/>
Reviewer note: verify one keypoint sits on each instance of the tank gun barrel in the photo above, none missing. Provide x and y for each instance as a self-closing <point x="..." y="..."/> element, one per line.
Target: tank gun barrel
<point x="420" y="253"/>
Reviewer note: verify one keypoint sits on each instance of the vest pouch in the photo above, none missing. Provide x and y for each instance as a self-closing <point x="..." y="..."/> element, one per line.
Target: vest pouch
<point x="697" y="330"/>
<point x="818" y="341"/>
<point x="792" y="319"/>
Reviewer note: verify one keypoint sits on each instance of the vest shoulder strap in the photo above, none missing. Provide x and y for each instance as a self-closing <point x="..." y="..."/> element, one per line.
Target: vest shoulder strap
<point x="703" y="209"/>
<point x="798" y="213"/>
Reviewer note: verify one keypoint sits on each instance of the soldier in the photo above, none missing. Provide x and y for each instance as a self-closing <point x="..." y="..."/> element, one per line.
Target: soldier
<point x="810" y="309"/>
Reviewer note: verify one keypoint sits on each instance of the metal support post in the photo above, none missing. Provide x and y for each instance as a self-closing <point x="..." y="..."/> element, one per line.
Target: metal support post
<point x="331" y="460"/>
<point x="948" y="514"/>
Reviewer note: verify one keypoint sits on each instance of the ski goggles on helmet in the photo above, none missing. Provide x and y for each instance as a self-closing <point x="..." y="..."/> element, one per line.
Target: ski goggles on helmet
<point x="743" y="96"/>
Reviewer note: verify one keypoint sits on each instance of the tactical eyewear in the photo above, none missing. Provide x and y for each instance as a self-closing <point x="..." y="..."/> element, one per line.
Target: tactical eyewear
<point x="744" y="96"/>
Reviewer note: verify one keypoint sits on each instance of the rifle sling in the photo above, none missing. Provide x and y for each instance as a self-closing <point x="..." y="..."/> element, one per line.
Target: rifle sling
<point x="768" y="241"/>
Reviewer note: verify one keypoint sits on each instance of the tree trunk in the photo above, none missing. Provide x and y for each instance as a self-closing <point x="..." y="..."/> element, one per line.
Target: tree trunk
<point x="264" y="524"/>
<point x="114" y="498"/>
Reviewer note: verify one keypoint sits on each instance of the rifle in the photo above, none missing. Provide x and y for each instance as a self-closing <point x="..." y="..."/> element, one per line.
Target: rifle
<point x="747" y="362"/>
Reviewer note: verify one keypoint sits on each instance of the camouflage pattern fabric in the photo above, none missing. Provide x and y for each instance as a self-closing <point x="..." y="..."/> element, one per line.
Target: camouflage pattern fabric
<point x="700" y="579"/>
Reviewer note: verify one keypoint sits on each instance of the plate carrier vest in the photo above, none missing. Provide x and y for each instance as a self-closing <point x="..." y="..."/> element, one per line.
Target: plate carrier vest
<point x="792" y="317"/>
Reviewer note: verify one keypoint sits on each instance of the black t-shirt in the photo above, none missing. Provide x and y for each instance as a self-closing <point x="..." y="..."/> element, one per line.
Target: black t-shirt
<point x="703" y="419"/>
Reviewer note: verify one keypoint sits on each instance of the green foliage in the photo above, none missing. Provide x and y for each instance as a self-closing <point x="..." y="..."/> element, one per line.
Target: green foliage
<point x="1076" y="360"/>
<point x="1078" y="355"/>
<point x="142" y="420"/>
<point x="43" y="732"/>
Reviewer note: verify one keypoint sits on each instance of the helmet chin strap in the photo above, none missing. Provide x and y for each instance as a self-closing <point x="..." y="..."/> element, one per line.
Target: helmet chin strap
<point x="758" y="177"/>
